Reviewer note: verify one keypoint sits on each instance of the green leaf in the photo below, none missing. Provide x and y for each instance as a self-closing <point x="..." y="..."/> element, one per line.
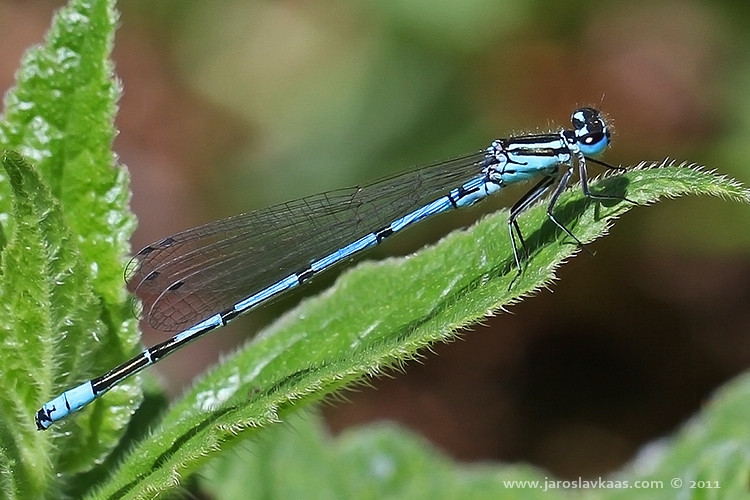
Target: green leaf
<point x="298" y="460"/>
<point x="707" y="459"/>
<point x="51" y="323"/>
<point x="44" y="295"/>
<point x="381" y="314"/>
<point x="66" y="316"/>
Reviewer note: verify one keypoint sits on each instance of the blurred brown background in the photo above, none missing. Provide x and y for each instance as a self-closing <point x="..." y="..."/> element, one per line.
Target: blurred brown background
<point x="234" y="105"/>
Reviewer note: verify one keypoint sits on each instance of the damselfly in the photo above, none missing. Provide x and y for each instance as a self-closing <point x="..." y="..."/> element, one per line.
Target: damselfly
<point x="202" y="278"/>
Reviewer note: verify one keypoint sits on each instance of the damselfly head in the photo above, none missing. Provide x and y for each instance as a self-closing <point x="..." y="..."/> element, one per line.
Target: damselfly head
<point x="591" y="131"/>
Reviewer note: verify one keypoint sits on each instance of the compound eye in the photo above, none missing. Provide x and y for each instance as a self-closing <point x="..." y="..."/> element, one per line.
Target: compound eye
<point x="593" y="139"/>
<point x="593" y="143"/>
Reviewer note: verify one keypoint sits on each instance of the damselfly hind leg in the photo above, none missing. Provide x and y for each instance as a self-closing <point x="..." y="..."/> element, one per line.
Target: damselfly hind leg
<point x="516" y="210"/>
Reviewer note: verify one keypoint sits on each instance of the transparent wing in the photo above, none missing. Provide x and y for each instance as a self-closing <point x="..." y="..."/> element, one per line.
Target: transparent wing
<point x="197" y="273"/>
